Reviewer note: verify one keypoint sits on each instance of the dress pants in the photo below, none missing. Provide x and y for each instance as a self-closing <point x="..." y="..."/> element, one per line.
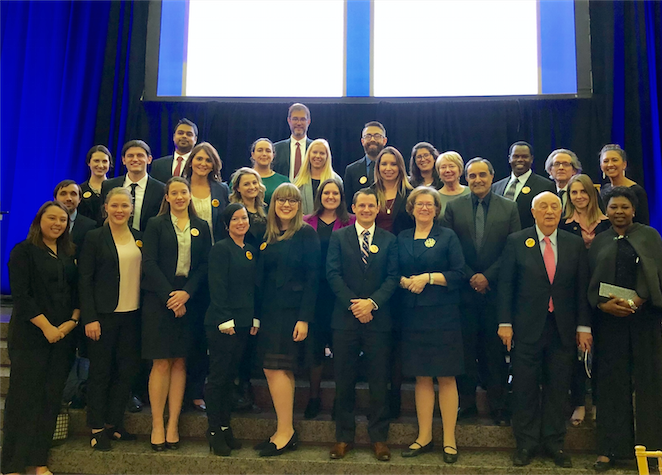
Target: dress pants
<point x="538" y="416"/>
<point x="36" y="382"/>
<point x="197" y="364"/>
<point x="484" y="353"/>
<point x="225" y="352"/>
<point x="114" y="366"/>
<point x="376" y="351"/>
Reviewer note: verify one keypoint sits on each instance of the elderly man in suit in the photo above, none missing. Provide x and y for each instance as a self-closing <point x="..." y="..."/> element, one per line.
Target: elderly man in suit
<point x="522" y="184"/>
<point x="362" y="270"/>
<point x="482" y="221"/>
<point x="544" y="310"/>
<point x="185" y="137"/>
<point x="68" y="193"/>
<point x="289" y="153"/>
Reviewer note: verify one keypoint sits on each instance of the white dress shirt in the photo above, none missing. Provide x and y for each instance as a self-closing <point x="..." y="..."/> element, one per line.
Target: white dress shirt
<point x="183" y="247"/>
<point x="520" y="183"/>
<point x="293" y="151"/>
<point x="138" y="201"/>
<point x="174" y="161"/>
<point x="359" y="232"/>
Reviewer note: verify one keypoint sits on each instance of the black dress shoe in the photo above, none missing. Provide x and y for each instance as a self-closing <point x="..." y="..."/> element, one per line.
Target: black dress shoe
<point x="233" y="443"/>
<point x="466" y="412"/>
<point x="271" y="450"/>
<point x="421" y="449"/>
<point x="100" y="441"/>
<point x="172" y="445"/>
<point x="119" y="434"/>
<point x="450" y="457"/>
<point x="600" y="466"/>
<point x="522" y="457"/>
<point x="217" y="443"/>
<point x="261" y="445"/>
<point x="159" y="447"/>
<point x="134" y="405"/>
<point x="313" y="408"/>
<point x="561" y="459"/>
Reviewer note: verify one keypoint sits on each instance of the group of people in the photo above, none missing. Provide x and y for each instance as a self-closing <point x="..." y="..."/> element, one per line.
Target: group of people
<point x="425" y="277"/>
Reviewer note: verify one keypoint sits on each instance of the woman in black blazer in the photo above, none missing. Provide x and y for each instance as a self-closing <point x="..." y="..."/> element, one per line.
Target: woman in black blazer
<point x="248" y="189"/>
<point x="175" y="251"/>
<point x="431" y="264"/>
<point x="288" y="280"/>
<point x="41" y="339"/>
<point x="229" y="322"/>
<point x="99" y="160"/>
<point x="109" y="270"/>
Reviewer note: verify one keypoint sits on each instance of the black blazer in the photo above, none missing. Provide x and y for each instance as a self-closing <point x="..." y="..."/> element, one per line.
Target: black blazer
<point x="90" y="203"/>
<point x="298" y="274"/>
<point x="352" y="180"/>
<point x="502" y="220"/>
<point x="524" y="287"/>
<point x="281" y="162"/>
<point x="232" y="274"/>
<point x="154" y="192"/>
<point x="82" y="225"/>
<point x="537" y="185"/>
<point x="161" y="168"/>
<point x="99" y="274"/>
<point x="40" y="284"/>
<point x="349" y="280"/>
<point x="445" y="256"/>
<point x="160" y="257"/>
<point x="400" y="217"/>
<point x="220" y="198"/>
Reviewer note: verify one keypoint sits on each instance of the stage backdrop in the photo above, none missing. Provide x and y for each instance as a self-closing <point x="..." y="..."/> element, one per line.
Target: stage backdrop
<point x="73" y="76"/>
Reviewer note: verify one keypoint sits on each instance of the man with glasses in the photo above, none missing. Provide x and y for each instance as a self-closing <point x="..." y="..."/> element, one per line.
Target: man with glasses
<point x="361" y="173"/>
<point x="562" y="164"/>
<point x="289" y="153"/>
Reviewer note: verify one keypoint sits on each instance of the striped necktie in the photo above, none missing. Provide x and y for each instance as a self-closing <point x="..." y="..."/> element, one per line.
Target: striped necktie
<point x="365" y="247"/>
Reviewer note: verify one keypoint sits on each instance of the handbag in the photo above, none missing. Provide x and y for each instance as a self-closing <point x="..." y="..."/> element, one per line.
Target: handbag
<point x="62" y="425"/>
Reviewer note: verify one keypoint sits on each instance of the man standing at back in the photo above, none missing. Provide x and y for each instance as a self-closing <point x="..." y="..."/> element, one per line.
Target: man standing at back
<point x="68" y="193"/>
<point x="522" y="184"/>
<point x="290" y="152"/>
<point x="184" y="138"/>
<point x="361" y="173"/>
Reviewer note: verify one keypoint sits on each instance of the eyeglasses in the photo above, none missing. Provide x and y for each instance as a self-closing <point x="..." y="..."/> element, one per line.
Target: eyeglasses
<point x="299" y="119"/>
<point x="420" y="205"/>
<point x="562" y="165"/>
<point x="289" y="201"/>
<point x="373" y="136"/>
<point x="423" y="156"/>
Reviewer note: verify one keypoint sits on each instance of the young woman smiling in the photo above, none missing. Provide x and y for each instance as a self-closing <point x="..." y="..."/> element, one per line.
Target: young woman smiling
<point x="248" y="189"/>
<point x="262" y="156"/>
<point x="99" y="160"/>
<point x="316" y="168"/>
<point x="422" y="166"/>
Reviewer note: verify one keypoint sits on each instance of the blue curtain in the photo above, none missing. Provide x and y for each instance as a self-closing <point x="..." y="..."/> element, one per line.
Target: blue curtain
<point x="52" y="61"/>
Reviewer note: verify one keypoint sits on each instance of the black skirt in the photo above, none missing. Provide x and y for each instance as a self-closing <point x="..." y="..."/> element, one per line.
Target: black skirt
<point x="276" y="346"/>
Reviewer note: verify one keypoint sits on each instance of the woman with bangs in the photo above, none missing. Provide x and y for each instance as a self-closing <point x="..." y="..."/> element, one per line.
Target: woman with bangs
<point x="393" y="188"/>
<point x="248" y="189"/>
<point x="450" y="167"/>
<point x="288" y="279"/>
<point x="100" y="161"/>
<point x="316" y="168"/>
<point x="262" y="157"/>
<point x="422" y="166"/>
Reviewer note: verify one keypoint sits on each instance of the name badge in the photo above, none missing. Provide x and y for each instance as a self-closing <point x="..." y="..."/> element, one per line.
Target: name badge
<point x="249" y="255"/>
<point x="374" y="249"/>
<point x="215" y="203"/>
<point x="263" y="246"/>
<point x="139" y="243"/>
<point x="194" y="232"/>
<point x="87" y="194"/>
<point x="526" y="190"/>
<point x="363" y="180"/>
<point x="430" y="242"/>
<point x="530" y="242"/>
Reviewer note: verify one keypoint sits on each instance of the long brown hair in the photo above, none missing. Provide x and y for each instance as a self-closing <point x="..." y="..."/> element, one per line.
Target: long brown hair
<point x="341" y="210"/>
<point x="36" y="237"/>
<point x="215" y="173"/>
<point x="593" y="212"/>
<point x="404" y="184"/>
<point x="165" y="206"/>
<point x="286" y="191"/>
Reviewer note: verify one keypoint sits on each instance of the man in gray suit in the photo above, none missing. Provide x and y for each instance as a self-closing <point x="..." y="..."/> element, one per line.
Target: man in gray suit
<point x="482" y="221"/>
<point x="290" y="152"/>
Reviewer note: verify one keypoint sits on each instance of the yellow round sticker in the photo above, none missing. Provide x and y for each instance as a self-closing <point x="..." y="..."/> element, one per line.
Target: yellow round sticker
<point x="215" y="203"/>
<point x="249" y="255"/>
<point x="363" y="180"/>
<point x="526" y="190"/>
<point x="139" y="243"/>
<point x="374" y="249"/>
<point x="429" y="242"/>
<point x="194" y="232"/>
<point x="530" y="242"/>
<point x="263" y="246"/>
<point x="87" y="194"/>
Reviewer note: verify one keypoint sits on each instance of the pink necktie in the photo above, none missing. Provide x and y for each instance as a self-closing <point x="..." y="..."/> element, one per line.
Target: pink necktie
<point x="178" y="168"/>
<point x="550" y="265"/>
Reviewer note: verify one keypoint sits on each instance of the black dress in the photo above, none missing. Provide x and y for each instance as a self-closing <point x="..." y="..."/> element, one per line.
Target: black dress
<point x="288" y="282"/>
<point x="90" y="202"/>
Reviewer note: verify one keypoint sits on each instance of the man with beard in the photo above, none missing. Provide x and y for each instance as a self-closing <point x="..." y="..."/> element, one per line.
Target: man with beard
<point x="185" y="138"/>
<point x="289" y="153"/>
<point x="361" y="173"/>
<point x="68" y="193"/>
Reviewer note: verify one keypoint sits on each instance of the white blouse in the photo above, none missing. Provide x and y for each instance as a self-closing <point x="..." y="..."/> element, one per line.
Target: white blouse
<point x="204" y="209"/>
<point x="183" y="247"/>
<point x="130" y="259"/>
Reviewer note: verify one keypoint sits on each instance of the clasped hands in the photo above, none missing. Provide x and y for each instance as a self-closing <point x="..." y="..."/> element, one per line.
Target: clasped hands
<point x="54" y="334"/>
<point x="620" y="307"/>
<point x="479" y="283"/>
<point x="177" y="301"/>
<point x="415" y="283"/>
<point x="362" y="309"/>
<point x="230" y="331"/>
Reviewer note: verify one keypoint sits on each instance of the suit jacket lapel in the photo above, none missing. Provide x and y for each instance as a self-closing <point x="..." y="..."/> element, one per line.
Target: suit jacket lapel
<point x="469" y="216"/>
<point x="376" y="241"/>
<point x="537" y="253"/>
<point x="353" y="241"/>
<point x="110" y="243"/>
<point x="409" y="241"/>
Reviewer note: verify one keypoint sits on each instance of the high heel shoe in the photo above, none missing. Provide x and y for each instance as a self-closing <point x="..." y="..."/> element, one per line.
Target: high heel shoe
<point x="448" y="457"/>
<point x="271" y="450"/>
<point x="217" y="443"/>
<point x="172" y="445"/>
<point x="233" y="443"/>
<point x="158" y="447"/>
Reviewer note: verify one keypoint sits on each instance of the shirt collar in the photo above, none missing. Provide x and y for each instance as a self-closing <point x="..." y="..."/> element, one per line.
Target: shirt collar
<point x="558" y="190"/>
<point x="302" y="141"/>
<point x="175" y="221"/>
<point x="486" y="199"/>
<point x="184" y="156"/>
<point x="73" y="216"/>
<point x="360" y="229"/>
<point x="552" y="237"/>
<point x="522" y="178"/>
<point x="142" y="183"/>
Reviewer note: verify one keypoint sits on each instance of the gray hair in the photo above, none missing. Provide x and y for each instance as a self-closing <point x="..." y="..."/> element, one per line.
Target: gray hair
<point x="576" y="164"/>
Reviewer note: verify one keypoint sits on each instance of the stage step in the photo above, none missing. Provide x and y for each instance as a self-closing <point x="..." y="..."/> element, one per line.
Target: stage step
<point x="75" y="456"/>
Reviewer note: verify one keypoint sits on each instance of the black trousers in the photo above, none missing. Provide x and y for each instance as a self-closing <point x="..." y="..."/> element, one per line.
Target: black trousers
<point x="225" y="352"/>
<point x="538" y="414"/>
<point x="630" y="354"/>
<point x="114" y="366"/>
<point x="484" y="353"/>
<point x="197" y="363"/>
<point x="36" y="382"/>
<point x="376" y="348"/>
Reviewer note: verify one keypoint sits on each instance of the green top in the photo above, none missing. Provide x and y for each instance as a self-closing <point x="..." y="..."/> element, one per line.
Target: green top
<point x="271" y="184"/>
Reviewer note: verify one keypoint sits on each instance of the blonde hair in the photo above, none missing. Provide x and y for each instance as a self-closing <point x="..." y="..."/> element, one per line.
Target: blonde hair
<point x="452" y="157"/>
<point x="402" y="176"/>
<point x="593" y="212"/>
<point x="304" y="175"/>
<point x="116" y="191"/>
<point x="284" y="191"/>
<point x="235" y="196"/>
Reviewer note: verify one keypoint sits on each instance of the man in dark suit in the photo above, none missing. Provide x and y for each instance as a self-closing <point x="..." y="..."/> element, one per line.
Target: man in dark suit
<point x="146" y="191"/>
<point x="522" y="184"/>
<point x="492" y="218"/>
<point x="68" y="193"/>
<point x="362" y="270"/>
<point x="184" y="138"/>
<point x="543" y="308"/>
<point x="290" y="152"/>
<point x="361" y="173"/>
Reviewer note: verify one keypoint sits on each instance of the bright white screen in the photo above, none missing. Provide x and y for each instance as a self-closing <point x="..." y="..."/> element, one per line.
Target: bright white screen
<point x="245" y="48"/>
<point x="455" y="48"/>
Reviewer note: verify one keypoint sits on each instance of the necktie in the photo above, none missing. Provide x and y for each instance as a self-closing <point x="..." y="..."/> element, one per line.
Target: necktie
<point x="297" y="159"/>
<point x="178" y="168"/>
<point x="371" y="172"/>
<point x="365" y="247"/>
<point x="510" y="192"/>
<point x="550" y="265"/>
<point x="480" y="224"/>
<point x="133" y="196"/>
<point x="562" y="195"/>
